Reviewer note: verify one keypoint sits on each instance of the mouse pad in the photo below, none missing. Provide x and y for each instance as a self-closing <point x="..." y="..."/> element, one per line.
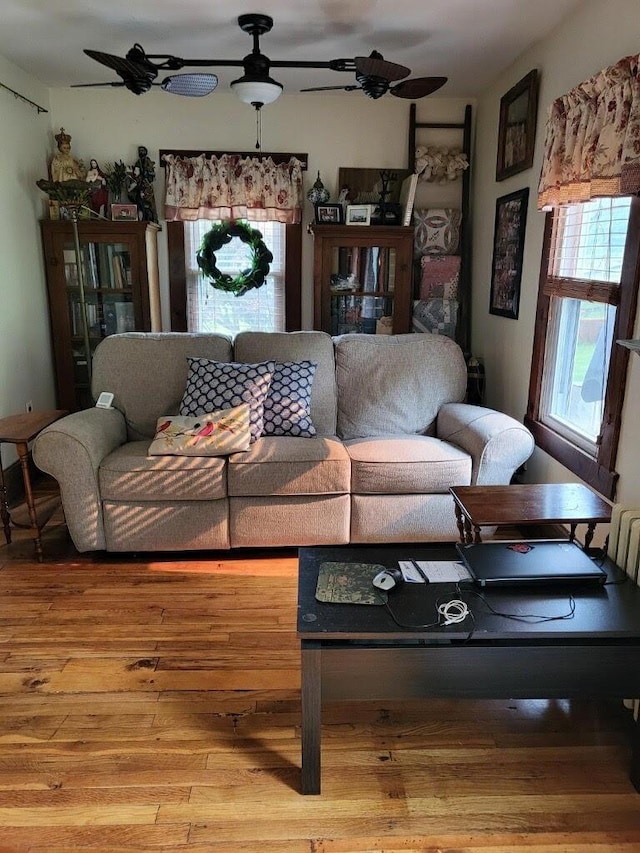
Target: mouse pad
<point x="349" y="583"/>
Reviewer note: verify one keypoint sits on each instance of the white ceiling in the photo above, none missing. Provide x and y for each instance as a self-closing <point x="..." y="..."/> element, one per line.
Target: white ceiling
<point x="469" y="41"/>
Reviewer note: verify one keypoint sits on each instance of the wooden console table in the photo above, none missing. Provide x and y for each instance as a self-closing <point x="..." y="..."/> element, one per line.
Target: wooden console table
<point x="520" y="505"/>
<point x="20" y="430"/>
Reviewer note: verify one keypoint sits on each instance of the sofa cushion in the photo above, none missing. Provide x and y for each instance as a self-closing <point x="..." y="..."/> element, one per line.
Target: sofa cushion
<point x="277" y="465"/>
<point x="214" y="434"/>
<point x="215" y="385"/>
<point x="408" y="465"/>
<point x="395" y="384"/>
<point x="298" y="346"/>
<point x="130" y="474"/>
<point x="147" y="372"/>
<point x="287" y="407"/>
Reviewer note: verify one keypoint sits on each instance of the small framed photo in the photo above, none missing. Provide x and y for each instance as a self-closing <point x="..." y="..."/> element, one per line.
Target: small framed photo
<point x="358" y="214"/>
<point x="387" y="214"/>
<point x="517" y="129"/>
<point x="124" y="212"/>
<point x="508" y="250"/>
<point x="329" y="214"/>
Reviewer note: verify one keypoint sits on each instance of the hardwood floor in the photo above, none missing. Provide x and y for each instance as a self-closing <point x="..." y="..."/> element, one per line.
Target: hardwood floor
<point x="150" y="705"/>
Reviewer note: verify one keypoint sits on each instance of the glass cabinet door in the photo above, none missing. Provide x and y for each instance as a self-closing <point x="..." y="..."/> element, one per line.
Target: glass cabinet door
<point x="109" y="285"/>
<point x="361" y="288"/>
<point x="105" y="302"/>
<point x="362" y="279"/>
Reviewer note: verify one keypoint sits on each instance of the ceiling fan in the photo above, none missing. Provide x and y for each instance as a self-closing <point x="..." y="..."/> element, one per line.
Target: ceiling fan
<point x="374" y="75"/>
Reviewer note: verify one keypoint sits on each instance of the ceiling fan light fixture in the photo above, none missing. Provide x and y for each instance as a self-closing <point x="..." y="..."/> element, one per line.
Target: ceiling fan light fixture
<point x="257" y="91"/>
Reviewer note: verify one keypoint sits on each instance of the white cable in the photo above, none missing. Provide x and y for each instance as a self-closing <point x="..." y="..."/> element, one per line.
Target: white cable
<point x="453" y="611"/>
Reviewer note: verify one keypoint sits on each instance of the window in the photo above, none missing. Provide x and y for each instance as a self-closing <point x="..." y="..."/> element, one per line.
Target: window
<point x="586" y="301"/>
<point x="261" y="309"/>
<point x="196" y="306"/>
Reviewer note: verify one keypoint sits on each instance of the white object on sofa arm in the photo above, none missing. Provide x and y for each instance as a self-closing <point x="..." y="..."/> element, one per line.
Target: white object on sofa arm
<point x="497" y="443"/>
<point x="85" y="437"/>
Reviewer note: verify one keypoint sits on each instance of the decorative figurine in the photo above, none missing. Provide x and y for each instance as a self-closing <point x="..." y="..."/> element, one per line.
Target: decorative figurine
<point x="99" y="194"/>
<point x="65" y="167"/>
<point x="140" y="186"/>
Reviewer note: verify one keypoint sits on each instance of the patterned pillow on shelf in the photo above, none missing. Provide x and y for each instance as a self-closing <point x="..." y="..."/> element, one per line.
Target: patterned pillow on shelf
<point x="438" y="316"/>
<point x="436" y="231"/>
<point x="287" y="408"/>
<point x="439" y="276"/>
<point x="213" y="434"/>
<point x="215" y="385"/>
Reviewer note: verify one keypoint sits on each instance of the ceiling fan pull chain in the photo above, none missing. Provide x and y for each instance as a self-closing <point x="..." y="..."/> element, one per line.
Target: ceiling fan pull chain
<point x="258" y="130"/>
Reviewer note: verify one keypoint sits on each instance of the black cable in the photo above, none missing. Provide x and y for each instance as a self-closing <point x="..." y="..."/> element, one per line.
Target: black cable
<point x="526" y="617"/>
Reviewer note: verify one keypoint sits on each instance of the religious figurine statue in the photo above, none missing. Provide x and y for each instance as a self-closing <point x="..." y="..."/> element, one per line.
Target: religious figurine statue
<point x="64" y="166"/>
<point x="99" y="199"/>
<point x="140" y="186"/>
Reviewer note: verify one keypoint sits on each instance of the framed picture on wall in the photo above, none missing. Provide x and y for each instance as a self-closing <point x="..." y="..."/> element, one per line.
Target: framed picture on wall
<point x="508" y="250"/>
<point x="517" y="128"/>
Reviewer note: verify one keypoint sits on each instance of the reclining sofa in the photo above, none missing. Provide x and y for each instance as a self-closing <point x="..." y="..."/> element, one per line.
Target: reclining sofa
<point x="392" y="434"/>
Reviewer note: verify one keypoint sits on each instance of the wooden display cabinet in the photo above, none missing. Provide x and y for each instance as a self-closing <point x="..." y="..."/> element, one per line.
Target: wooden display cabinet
<point x="362" y="274"/>
<point x="119" y="265"/>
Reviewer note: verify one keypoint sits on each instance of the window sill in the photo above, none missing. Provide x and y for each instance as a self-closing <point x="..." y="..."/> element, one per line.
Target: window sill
<point x="576" y="460"/>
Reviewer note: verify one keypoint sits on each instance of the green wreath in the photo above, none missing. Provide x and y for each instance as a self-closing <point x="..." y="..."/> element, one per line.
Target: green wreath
<point x="243" y="282"/>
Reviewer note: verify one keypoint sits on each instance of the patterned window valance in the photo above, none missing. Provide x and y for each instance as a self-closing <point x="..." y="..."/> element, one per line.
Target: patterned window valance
<point x="592" y="143"/>
<point x="232" y="186"/>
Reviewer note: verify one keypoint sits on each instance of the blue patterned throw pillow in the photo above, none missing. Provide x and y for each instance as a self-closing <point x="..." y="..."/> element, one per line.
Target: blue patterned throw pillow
<point x="213" y="385"/>
<point x="287" y="409"/>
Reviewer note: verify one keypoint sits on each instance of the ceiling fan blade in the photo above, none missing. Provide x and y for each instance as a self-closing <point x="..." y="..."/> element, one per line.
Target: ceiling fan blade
<point x="376" y="66"/>
<point x="127" y="68"/>
<point x="190" y="85"/>
<point x="417" y="87"/>
<point x="331" y="89"/>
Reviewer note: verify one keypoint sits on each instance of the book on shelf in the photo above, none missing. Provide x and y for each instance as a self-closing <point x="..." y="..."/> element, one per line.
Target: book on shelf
<point x="121" y="271"/>
<point x="408" y="197"/>
<point x="90" y="266"/>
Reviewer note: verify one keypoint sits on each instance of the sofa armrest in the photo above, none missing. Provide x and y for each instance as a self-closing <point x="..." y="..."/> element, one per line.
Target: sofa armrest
<point x="71" y="450"/>
<point x="497" y="443"/>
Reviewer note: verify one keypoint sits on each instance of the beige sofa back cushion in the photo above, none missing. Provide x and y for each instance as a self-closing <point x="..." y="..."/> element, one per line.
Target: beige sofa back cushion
<point x="395" y="384"/>
<point x="147" y="373"/>
<point x="298" y="346"/>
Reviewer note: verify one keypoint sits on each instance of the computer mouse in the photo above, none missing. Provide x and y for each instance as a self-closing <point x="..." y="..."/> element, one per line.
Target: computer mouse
<point x="388" y="579"/>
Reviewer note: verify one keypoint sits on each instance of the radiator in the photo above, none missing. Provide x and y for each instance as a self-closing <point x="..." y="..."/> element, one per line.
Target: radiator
<point x="624" y="550"/>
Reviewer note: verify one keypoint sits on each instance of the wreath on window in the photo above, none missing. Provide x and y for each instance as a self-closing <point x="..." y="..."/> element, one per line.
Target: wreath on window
<point x="217" y="237"/>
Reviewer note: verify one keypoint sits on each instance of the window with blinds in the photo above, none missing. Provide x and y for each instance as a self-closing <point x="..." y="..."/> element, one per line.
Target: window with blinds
<point x="587" y="248"/>
<point x="261" y="309"/>
<point x="586" y="297"/>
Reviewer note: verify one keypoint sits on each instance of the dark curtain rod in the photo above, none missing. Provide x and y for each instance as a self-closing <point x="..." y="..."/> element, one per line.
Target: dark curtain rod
<point x="23" y="98"/>
<point x="276" y="157"/>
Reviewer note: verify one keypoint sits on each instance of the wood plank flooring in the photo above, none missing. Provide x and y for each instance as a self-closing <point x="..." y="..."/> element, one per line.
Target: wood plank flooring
<point x="154" y="705"/>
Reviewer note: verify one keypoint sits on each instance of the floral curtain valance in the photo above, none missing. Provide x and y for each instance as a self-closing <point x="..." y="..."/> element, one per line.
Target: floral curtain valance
<point x="233" y="187"/>
<point x="592" y="143"/>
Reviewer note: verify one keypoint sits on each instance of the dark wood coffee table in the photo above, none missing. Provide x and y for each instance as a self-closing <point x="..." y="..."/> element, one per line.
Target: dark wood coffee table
<point x="358" y="652"/>
<point x="528" y="504"/>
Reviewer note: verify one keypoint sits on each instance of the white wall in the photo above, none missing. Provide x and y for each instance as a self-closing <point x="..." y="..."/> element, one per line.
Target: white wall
<point x="334" y="130"/>
<point x="594" y="37"/>
<point x="25" y="360"/>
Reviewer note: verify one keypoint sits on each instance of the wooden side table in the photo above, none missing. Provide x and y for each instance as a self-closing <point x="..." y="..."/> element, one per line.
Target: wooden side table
<point x="536" y="503"/>
<point x="20" y="430"/>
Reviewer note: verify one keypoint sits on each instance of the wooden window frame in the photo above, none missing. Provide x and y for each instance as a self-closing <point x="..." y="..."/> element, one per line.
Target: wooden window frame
<point x="598" y="472"/>
<point x="178" y="277"/>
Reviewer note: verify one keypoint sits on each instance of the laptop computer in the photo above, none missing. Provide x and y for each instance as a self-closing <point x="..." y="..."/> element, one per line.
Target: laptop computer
<point x="535" y="562"/>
